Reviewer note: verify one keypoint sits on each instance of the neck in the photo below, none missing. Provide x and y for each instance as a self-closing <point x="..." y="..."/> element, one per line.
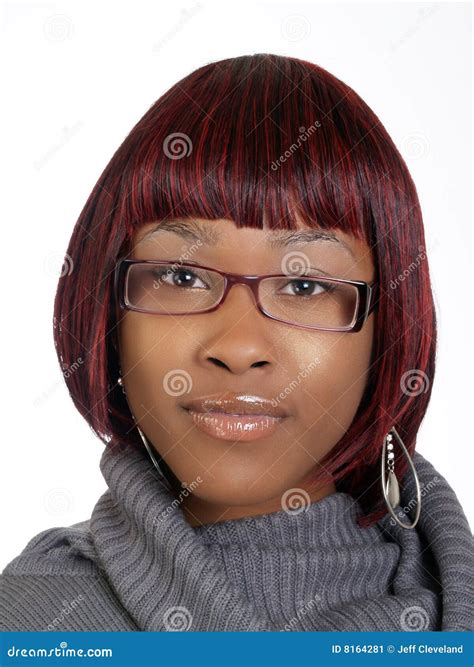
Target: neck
<point x="199" y="512"/>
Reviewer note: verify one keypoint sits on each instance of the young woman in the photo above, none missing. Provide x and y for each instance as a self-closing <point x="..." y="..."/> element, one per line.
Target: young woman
<point x="252" y="308"/>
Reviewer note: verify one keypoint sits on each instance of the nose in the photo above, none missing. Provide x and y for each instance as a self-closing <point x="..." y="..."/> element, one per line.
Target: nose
<point x="238" y="334"/>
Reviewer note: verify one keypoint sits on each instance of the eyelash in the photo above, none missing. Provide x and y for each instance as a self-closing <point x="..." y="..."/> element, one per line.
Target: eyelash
<point x="158" y="273"/>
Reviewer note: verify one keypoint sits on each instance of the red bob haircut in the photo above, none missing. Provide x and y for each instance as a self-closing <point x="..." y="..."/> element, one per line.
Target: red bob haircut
<point x="255" y="158"/>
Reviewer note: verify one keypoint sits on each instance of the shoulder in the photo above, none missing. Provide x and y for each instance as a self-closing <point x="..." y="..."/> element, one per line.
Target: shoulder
<point x="56" y="583"/>
<point x="56" y="551"/>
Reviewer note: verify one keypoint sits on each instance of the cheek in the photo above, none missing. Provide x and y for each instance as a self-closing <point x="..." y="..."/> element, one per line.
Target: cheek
<point x="335" y="380"/>
<point x="152" y="353"/>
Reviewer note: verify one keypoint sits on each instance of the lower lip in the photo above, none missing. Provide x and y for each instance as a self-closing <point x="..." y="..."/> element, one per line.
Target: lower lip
<point x="235" y="427"/>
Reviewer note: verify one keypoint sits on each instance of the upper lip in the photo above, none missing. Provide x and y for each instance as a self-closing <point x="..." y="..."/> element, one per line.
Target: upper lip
<point x="235" y="403"/>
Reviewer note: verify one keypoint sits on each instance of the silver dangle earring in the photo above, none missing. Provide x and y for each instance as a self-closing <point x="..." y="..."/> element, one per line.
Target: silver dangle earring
<point x="152" y="456"/>
<point x="390" y="487"/>
<point x="145" y="441"/>
<point x="120" y="382"/>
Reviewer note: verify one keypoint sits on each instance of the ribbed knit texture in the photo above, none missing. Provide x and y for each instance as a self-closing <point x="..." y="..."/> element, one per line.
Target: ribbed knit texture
<point x="137" y="564"/>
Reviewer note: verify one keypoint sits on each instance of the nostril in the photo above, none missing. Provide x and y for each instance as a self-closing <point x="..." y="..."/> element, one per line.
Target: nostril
<point x="218" y="362"/>
<point x="221" y="364"/>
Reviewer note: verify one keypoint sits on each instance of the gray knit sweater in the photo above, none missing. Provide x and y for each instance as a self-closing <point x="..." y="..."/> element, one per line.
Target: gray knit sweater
<point x="137" y="564"/>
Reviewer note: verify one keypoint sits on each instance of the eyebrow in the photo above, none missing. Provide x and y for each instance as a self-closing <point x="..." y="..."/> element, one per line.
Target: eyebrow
<point x="192" y="230"/>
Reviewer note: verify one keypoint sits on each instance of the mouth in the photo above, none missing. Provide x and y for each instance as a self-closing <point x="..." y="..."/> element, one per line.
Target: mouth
<point x="241" y="417"/>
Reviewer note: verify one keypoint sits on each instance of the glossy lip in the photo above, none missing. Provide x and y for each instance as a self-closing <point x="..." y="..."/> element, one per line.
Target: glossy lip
<point x="232" y="416"/>
<point x="233" y="403"/>
<point x="235" y="427"/>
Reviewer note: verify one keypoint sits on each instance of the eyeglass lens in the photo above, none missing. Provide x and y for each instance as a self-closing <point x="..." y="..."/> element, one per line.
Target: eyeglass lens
<point x="180" y="289"/>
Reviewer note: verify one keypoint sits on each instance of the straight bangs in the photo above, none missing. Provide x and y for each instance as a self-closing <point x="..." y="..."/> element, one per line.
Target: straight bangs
<point x="261" y="140"/>
<point x="265" y="141"/>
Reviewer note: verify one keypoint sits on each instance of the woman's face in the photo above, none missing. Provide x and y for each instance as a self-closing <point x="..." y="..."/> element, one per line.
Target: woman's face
<point x="317" y="378"/>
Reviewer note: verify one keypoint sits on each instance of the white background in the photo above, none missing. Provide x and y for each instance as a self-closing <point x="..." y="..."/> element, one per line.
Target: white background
<point x="76" y="77"/>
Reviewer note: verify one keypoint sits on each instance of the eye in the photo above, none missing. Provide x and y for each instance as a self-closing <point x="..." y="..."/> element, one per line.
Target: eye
<point x="308" y="287"/>
<point x="182" y="277"/>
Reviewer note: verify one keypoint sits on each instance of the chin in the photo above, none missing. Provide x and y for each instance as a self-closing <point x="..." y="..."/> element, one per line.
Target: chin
<point x="238" y="492"/>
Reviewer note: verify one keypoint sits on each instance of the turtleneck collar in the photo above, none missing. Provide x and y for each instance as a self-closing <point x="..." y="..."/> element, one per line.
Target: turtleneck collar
<point x="317" y="525"/>
<point x="314" y="570"/>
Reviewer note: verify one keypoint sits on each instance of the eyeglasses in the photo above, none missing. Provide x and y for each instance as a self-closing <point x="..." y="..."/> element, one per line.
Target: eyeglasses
<point x="308" y="301"/>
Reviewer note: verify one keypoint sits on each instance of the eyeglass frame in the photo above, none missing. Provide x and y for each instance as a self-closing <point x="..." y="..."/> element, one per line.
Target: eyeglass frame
<point x="366" y="292"/>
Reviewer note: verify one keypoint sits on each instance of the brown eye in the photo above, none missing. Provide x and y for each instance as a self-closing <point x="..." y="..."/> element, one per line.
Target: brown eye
<point x="307" y="287"/>
<point x="178" y="278"/>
